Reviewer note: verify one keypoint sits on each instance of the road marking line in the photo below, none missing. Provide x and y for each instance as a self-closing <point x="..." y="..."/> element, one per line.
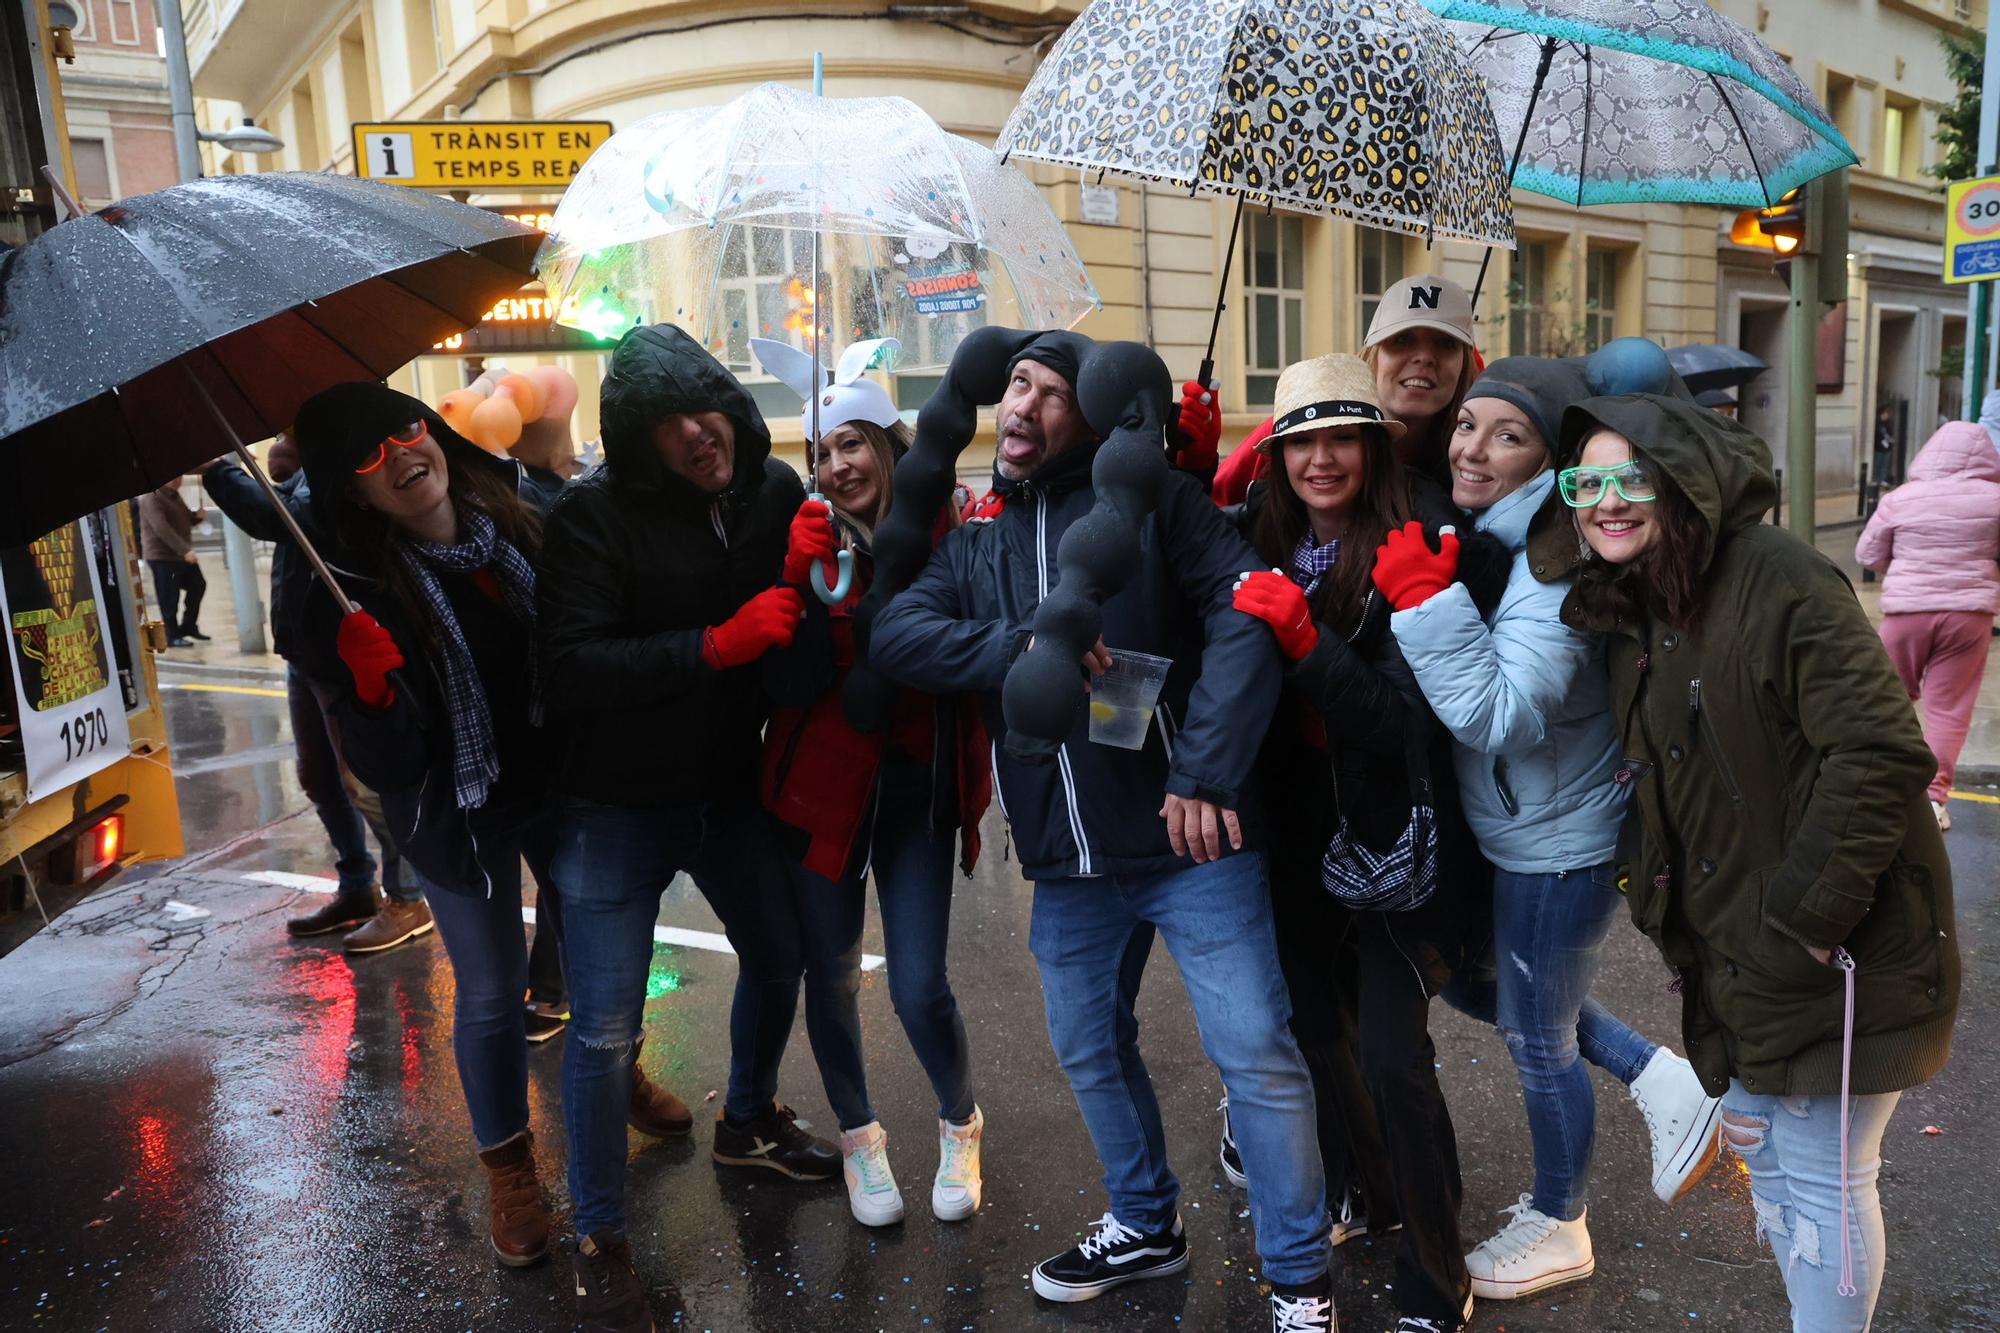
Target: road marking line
<point x="710" y="940"/>
<point x="1978" y="796"/>
<point x="226" y="689"/>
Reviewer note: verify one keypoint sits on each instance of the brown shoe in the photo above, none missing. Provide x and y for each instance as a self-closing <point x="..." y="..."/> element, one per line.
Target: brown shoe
<point x="393" y="923"/>
<point x="656" y="1111"/>
<point x="341" y="912"/>
<point x="520" y="1218"/>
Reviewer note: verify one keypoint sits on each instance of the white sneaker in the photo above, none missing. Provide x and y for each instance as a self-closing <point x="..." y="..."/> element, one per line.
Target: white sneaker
<point x="1684" y="1121"/>
<point x="955" y="1194"/>
<point x="871" y="1187"/>
<point x="1532" y="1253"/>
<point x="1943" y="813"/>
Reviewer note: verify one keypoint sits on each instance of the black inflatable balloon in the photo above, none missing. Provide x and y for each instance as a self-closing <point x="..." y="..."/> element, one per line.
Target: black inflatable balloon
<point x="1126" y="395"/>
<point x="923" y="485"/>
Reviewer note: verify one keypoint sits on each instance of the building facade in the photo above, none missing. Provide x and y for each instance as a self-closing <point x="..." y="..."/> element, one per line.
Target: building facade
<point x="1300" y="286"/>
<point x="116" y="94"/>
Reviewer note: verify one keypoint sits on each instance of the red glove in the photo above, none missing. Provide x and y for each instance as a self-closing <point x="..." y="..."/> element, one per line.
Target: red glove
<point x="811" y="542"/>
<point x="1281" y="604"/>
<point x="371" y="654"/>
<point x="1201" y="428"/>
<point x="766" y="621"/>
<point x="1409" y="572"/>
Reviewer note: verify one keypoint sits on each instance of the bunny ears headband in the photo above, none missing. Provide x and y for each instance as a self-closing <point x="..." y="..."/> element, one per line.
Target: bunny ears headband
<point x="850" y="397"/>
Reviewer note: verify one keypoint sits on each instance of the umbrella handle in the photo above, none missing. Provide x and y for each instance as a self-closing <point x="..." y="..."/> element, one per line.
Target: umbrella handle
<point x="844" y="560"/>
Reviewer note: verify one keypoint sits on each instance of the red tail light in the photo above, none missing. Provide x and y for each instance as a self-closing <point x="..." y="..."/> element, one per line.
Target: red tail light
<point x="102" y="844"/>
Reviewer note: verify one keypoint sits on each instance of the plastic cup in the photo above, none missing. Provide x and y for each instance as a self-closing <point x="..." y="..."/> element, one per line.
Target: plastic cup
<point x="1122" y="698"/>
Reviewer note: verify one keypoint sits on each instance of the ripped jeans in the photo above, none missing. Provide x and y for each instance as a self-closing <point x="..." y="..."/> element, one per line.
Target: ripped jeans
<point x="1548" y="931"/>
<point x="1792" y="1147"/>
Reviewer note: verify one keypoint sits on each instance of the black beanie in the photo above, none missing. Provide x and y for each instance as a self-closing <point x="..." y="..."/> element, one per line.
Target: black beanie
<point x="339" y="429"/>
<point x="1540" y="386"/>
<point x="1059" y="350"/>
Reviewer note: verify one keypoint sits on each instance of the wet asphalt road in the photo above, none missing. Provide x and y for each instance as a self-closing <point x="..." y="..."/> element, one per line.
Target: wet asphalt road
<point x="208" y="1126"/>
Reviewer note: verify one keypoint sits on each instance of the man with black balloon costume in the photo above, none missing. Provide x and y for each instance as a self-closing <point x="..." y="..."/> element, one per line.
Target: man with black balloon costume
<point x="1121" y="842"/>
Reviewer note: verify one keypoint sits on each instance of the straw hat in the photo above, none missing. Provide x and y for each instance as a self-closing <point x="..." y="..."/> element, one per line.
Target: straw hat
<point x="1328" y="391"/>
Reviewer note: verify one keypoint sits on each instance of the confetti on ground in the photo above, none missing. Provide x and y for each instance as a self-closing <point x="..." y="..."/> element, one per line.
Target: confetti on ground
<point x="1932" y="1129"/>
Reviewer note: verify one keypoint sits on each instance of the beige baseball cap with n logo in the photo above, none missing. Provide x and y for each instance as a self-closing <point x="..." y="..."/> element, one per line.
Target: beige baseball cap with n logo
<point x="1423" y="301"/>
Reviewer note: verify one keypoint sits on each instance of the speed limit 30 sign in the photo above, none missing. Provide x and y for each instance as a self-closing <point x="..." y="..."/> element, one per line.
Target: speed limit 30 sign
<point x="1972" y="230"/>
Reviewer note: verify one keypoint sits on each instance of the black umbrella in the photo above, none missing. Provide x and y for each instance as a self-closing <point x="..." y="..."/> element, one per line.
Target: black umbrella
<point x="1708" y="366"/>
<point x="145" y="339"/>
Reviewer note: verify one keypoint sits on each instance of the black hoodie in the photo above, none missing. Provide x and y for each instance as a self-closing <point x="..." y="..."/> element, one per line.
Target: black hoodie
<point x="636" y="562"/>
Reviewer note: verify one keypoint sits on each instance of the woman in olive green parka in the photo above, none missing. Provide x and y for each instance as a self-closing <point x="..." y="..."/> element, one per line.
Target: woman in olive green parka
<point x="1781" y="844"/>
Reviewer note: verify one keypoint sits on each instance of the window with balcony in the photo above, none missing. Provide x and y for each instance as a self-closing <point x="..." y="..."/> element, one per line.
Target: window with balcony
<point x="1274" y="292"/>
<point x="1378" y="266"/>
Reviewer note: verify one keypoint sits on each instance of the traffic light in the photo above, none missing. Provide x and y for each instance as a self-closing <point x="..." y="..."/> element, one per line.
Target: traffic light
<point x="1780" y="228"/>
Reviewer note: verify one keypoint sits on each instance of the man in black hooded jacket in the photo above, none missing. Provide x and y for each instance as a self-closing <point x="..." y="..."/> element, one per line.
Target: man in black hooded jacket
<point x="655" y="598"/>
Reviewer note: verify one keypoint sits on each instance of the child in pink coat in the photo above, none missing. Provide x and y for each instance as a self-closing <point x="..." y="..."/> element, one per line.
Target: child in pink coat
<point x="1937" y="538"/>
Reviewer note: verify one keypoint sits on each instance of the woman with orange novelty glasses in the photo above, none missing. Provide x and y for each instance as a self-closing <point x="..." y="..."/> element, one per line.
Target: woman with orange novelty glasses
<point x="438" y="711"/>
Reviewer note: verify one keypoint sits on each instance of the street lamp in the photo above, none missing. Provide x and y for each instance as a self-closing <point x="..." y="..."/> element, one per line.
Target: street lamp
<point x="244" y="138"/>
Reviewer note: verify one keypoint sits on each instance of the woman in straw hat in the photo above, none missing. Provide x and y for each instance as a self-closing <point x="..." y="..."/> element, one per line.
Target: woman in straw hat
<point x="1348" y="756"/>
<point x="1422" y="354"/>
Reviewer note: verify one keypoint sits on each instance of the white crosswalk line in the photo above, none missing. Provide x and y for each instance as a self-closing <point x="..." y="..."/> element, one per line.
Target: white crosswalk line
<point x="713" y="941"/>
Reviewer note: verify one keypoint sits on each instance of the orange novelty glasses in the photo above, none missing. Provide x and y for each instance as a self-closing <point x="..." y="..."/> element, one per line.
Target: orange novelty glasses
<point x="407" y="438"/>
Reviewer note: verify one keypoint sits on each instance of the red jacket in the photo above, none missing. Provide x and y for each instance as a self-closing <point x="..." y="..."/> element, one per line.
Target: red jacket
<point x="819" y="773"/>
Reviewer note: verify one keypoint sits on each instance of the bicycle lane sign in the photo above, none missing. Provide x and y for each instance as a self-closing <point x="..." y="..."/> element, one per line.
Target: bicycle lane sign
<point x="1972" y="230"/>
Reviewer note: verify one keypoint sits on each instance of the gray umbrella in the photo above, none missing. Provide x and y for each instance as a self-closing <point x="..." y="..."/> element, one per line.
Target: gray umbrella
<point x="1707" y="366"/>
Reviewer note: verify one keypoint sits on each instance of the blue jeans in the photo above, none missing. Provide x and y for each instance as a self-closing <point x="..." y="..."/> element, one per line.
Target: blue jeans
<point x="1792" y="1147"/>
<point x="1548" y="932"/>
<point x="347" y="821"/>
<point x="1216" y="919"/>
<point x="488" y="948"/>
<point x="913" y="869"/>
<point x="611" y="865"/>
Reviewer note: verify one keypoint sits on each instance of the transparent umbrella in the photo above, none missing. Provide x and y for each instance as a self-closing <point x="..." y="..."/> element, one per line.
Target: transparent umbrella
<point x="707" y="218"/>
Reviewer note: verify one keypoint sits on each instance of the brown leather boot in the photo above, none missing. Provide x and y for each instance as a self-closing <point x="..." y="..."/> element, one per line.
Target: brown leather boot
<point x="514" y="1202"/>
<point x="656" y="1111"/>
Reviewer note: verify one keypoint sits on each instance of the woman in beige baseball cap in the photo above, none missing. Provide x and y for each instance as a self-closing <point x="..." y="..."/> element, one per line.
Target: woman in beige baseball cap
<point x="1420" y="351"/>
<point x="1421" y="347"/>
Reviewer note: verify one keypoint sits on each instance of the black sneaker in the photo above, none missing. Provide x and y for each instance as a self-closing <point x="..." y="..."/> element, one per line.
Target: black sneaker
<point x="610" y="1298"/>
<point x="1352" y="1221"/>
<point x="1232" y="1161"/>
<point x="775" y="1140"/>
<point x="195" y="634"/>
<point x="1306" y="1309"/>
<point x="1410" y="1323"/>
<point x="1112" y="1254"/>
<point x="546" y="1020"/>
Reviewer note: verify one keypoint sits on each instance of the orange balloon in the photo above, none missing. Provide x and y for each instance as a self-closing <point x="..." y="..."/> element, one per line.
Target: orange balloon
<point x="558" y="388"/>
<point x="526" y="394"/>
<point x="457" y="407"/>
<point x="495" y="425"/>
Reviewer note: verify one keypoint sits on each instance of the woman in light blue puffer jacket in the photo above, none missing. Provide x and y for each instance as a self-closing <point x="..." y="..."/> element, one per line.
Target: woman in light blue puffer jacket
<point x="1527" y="702"/>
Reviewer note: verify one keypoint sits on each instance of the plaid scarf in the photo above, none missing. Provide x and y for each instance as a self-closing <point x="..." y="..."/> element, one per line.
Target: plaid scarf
<point x="1310" y="562"/>
<point x="475" y="763"/>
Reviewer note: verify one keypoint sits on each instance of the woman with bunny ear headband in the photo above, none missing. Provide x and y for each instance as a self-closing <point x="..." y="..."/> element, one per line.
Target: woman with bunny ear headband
<point x="891" y="798"/>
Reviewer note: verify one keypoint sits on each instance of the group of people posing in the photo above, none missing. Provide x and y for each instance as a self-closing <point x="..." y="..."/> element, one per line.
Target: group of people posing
<point x="1463" y="661"/>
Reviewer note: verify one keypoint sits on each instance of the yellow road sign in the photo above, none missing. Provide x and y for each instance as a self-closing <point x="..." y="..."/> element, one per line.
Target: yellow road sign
<point x="477" y="154"/>
<point x="1972" y="230"/>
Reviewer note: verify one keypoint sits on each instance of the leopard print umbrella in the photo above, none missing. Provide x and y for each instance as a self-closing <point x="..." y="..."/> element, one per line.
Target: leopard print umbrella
<point x="1361" y="108"/>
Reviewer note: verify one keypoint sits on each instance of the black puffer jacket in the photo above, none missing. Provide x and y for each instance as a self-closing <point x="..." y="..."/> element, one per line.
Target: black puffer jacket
<point x="1374" y="716"/>
<point x="636" y="561"/>
<point x="1095" y="811"/>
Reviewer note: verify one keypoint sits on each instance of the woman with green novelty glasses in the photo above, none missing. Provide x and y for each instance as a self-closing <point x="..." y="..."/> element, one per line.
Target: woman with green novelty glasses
<point x="1786" y="862"/>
